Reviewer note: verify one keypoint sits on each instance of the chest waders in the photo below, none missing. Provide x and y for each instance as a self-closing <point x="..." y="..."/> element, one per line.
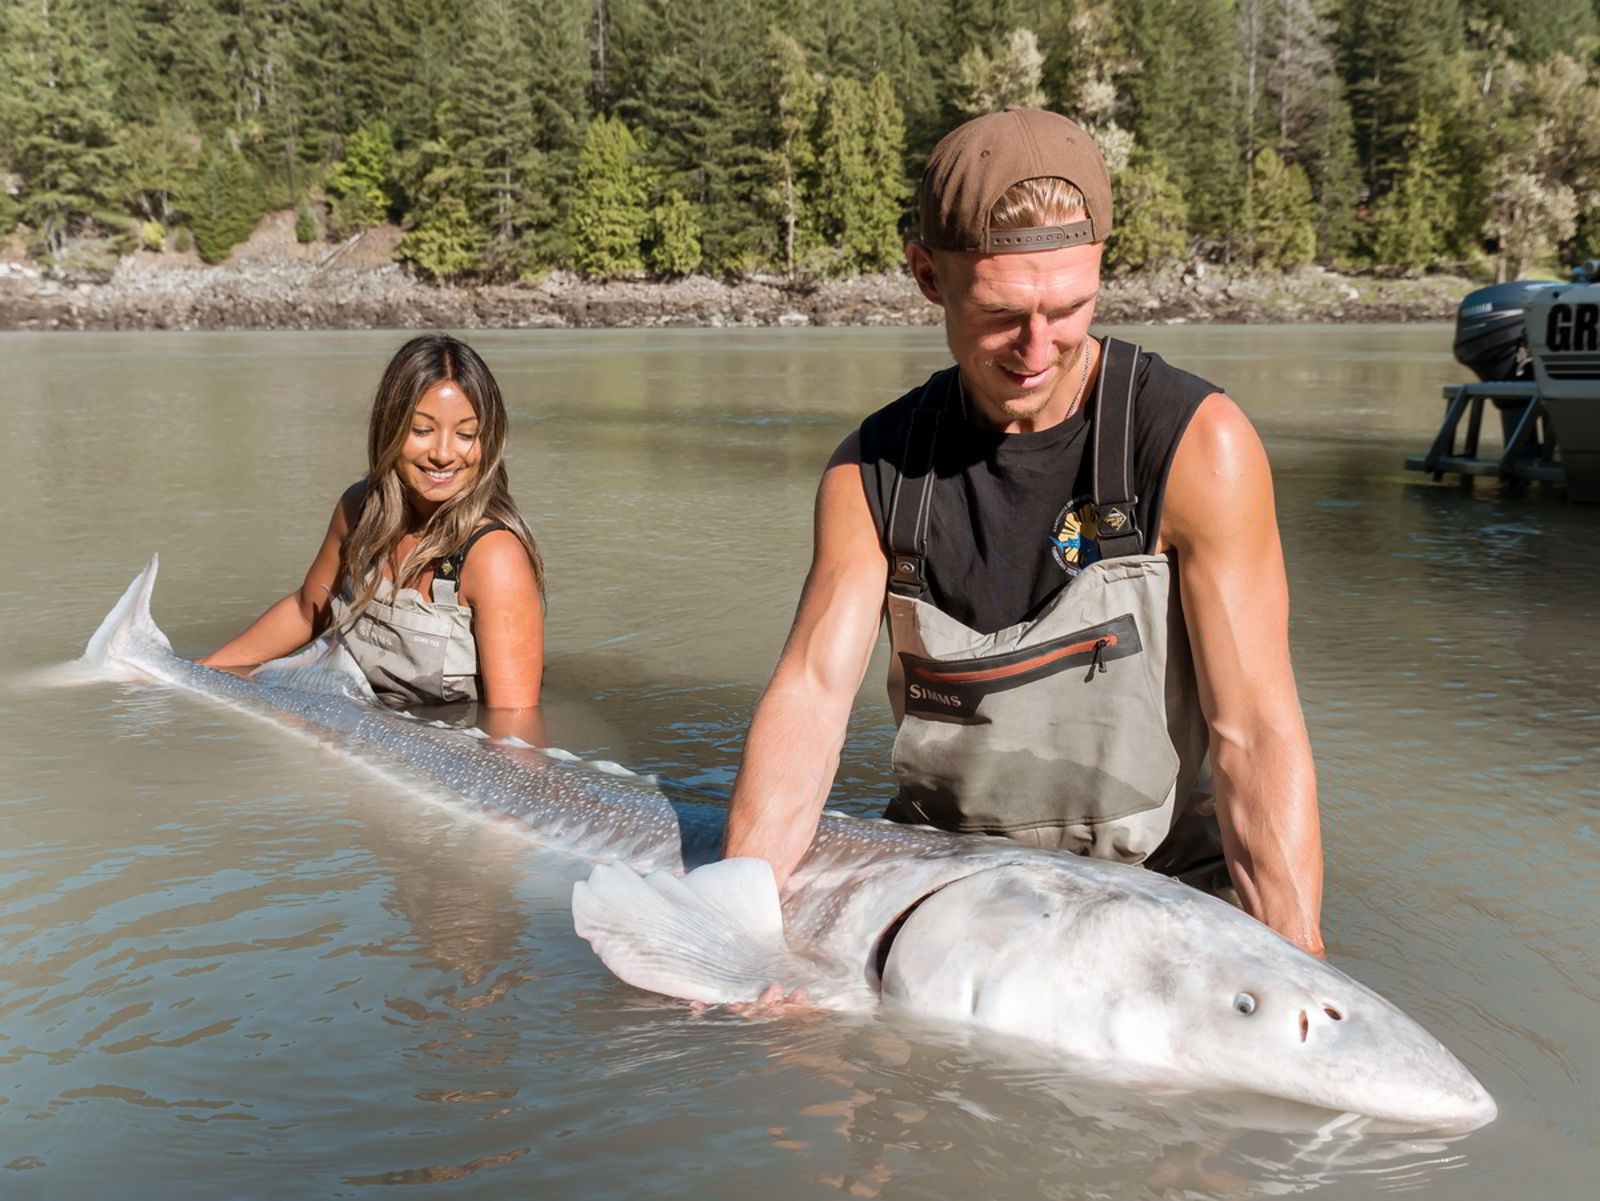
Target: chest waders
<point x="1080" y="729"/>
<point x="416" y="651"/>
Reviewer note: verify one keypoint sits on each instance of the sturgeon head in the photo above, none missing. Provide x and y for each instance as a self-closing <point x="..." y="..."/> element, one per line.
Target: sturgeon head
<point x="1154" y="983"/>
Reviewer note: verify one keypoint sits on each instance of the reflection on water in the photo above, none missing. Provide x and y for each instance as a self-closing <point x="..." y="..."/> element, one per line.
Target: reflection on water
<point x="236" y="965"/>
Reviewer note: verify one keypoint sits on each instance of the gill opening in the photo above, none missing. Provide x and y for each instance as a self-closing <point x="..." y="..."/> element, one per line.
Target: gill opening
<point x="885" y="943"/>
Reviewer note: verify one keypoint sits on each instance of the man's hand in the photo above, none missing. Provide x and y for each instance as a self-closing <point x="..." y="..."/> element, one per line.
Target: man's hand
<point x="773" y="1002"/>
<point x="792" y="750"/>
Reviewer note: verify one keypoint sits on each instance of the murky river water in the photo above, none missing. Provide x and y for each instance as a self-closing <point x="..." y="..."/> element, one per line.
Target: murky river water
<point x="237" y="965"/>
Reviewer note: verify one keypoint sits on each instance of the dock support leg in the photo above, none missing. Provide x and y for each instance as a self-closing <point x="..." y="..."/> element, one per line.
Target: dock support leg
<point x="1444" y="443"/>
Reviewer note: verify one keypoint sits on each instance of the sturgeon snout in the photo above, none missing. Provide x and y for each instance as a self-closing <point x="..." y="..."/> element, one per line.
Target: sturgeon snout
<point x="1150" y="980"/>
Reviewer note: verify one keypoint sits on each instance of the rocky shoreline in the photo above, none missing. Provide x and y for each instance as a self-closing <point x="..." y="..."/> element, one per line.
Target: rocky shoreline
<point x="268" y="284"/>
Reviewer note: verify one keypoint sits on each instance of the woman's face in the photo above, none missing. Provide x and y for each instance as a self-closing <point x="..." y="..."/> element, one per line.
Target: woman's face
<point x="441" y="452"/>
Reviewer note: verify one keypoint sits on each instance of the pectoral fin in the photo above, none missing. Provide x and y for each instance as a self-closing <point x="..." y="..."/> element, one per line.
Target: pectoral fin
<point x="323" y="667"/>
<point x="714" y="935"/>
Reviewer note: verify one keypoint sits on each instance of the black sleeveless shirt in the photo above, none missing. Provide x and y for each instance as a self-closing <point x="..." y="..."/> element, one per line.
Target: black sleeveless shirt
<point x="1011" y="517"/>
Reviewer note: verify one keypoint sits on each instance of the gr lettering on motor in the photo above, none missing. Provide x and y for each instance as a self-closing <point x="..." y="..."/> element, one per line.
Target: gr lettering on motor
<point x="1573" y="327"/>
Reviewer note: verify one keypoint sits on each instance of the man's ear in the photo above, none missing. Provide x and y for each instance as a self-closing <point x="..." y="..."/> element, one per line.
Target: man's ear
<point x="920" y="259"/>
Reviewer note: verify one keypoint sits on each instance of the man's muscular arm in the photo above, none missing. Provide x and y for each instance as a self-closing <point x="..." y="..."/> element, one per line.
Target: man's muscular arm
<point x="792" y="750"/>
<point x="1219" y="518"/>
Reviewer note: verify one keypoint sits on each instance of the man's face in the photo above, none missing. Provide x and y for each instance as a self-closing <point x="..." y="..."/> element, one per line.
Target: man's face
<point x="1017" y="326"/>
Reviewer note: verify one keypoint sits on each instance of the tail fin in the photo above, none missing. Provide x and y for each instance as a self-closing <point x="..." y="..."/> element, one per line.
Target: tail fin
<point x="714" y="935"/>
<point x="129" y="625"/>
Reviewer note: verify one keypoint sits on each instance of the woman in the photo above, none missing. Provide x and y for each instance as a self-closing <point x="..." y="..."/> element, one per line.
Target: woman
<point x="428" y="572"/>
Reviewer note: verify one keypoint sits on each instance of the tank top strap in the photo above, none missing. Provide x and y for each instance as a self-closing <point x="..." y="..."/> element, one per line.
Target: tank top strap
<point x="906" y="528"/>
<point x="1115" y="501"/>
<point x="447" y="575"/>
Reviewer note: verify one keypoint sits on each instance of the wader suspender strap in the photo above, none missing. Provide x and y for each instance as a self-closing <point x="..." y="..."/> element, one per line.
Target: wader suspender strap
<point x="447" y="576"/>
<point x="906" y="531"/>
<point x="1115" y="502"/>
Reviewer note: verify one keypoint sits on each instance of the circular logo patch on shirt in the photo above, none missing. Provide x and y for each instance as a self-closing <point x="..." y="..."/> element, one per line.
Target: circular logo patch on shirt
<point x="1073" y="542"/>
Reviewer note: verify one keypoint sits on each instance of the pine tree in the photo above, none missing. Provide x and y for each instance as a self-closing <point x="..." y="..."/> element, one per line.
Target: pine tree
<point x="987" y="82"/>
<point x="156" y="163"/>
<point x="673" y="236"/>
<point x="891" y="190"/>
<point x="797" y="98"/>
<point x="1189" y="118"/>
<point x="56" y="122"/>
<point x="1542" y="29"/>
<point x="608" y="218"/>
<point x="1282" y="228"/>
<point x="445" y="239"/>
<point x="1410" y="223"/>
<point x="1151" y="216"/>
<point x="1397" y="58"/>
<point x="689" y="74"/>
<point x="494" y="132"/>
<point x="224" y="209"/>
<point x="362" y="181"/>
<point x="845" y="207"/>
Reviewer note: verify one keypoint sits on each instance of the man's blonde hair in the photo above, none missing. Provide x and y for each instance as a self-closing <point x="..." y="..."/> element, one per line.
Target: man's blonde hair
<point x="1030" y="203"/>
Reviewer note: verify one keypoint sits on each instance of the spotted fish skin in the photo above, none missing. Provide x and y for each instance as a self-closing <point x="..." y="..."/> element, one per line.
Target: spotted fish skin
<point x="1114" y="968"/>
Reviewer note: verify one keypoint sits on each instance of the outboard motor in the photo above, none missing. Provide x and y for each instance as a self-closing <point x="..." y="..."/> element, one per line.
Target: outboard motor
<point x="1491" y="332"/>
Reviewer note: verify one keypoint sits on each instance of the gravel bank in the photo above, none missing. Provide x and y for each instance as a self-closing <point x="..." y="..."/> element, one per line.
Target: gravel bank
<point x="267" y="287"/>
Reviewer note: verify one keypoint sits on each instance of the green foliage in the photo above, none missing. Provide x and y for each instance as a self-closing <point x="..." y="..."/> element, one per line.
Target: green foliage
<point x="1278" y="214"/>
<point x="797" y="92"/>
<point x="673" y="246"/>
<point x="986" y="82"/>
<point x="463" y="121"/>
<point x="360" y="182"/>
<point x="152" y="235"/>
<point x="155" y="163"/>
<point x="446" y="241"/>
<point x="225" y="208"/>
<point x="837" y="171"/>
<point x="690" y="72"/>
<point x="305" y="224"/>
<point x="1399" y="56"/>
<point x="1190" y="115"/>
<point x="1538" y="171"/>
<point x="609" y="218"/>
<point x="57" y="127"/>
<point x="1148" y="230"/>
<point x="1411" y="222"/>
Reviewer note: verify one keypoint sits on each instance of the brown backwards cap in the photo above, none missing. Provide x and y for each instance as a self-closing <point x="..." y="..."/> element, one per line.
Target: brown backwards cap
<point x="975" y="163"/>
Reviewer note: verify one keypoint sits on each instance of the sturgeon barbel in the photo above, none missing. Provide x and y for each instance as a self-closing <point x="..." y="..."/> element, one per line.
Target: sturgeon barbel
<point x="1114" y="967"/>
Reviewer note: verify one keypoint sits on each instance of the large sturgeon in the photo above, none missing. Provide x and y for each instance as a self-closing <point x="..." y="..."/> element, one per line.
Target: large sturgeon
<point x="1120" y="970"/>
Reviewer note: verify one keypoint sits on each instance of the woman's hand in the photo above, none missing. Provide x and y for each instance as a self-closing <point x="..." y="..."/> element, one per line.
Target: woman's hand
<point x="295" y="619"/>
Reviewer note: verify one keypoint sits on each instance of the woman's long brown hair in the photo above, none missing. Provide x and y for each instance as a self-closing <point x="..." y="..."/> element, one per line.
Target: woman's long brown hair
<point x="417" y="366"/>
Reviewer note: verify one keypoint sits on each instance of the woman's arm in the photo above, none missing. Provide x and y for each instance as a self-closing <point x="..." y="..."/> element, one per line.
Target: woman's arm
<point x="507" y="621"/>
<point x="299" y="617"/>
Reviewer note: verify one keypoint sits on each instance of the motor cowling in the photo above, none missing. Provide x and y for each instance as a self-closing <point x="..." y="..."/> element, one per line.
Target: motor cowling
<point x="1491" y="329"/>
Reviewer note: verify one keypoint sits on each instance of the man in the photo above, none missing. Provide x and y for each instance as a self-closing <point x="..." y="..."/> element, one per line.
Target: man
<point x="1024" y="519"/>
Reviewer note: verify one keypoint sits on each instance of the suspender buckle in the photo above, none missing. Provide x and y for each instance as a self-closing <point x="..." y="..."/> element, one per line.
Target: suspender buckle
<point x="1117" y="517"/>
<point x="1117" y="526"/>
<point x="905" y="575"/>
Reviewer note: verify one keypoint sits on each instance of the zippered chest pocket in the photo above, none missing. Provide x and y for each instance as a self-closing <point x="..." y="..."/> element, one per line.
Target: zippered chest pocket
<point x="953" y="689"/>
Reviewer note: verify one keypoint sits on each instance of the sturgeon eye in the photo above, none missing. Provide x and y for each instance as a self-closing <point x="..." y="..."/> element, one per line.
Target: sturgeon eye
<point x="1244" y="1003"/>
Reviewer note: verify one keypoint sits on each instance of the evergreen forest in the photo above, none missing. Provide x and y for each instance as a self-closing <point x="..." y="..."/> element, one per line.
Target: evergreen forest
<point x="506" y="138"/>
